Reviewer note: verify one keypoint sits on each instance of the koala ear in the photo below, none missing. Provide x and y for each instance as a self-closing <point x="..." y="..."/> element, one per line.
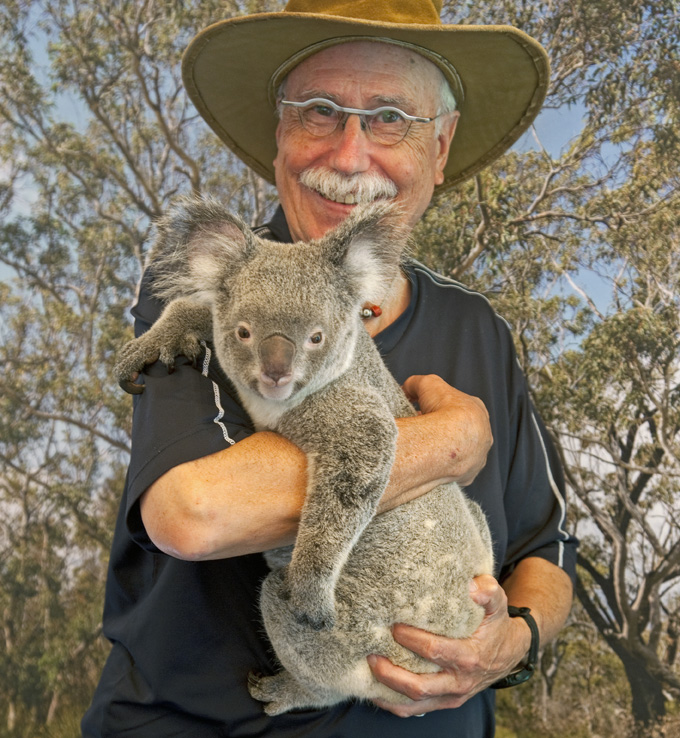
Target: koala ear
<point x="199" y="243"/>
<point x="369" y="246"/>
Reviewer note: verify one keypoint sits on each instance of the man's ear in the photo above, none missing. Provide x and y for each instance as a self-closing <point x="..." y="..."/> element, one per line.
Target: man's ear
<point x="444" y="139"/>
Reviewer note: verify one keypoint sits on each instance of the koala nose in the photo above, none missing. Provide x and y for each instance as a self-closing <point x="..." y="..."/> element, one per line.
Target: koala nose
<point x="276" y="360"/>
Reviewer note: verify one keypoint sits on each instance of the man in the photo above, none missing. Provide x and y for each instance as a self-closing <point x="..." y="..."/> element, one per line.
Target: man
<point x="371" y="104"/>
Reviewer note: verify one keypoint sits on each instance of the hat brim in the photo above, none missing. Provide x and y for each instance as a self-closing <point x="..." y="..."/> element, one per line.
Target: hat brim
<point x="228" y="66"/>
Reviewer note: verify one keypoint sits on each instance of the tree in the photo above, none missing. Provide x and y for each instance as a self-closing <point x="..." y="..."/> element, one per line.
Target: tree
<point x="96" y="136"/>
<point x="581" y="253"/>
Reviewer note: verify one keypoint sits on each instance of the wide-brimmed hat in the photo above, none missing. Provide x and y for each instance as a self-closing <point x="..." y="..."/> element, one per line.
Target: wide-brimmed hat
<point x="499" y="75"/>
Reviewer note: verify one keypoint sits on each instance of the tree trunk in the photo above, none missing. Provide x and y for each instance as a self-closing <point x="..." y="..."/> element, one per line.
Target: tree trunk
<point x="54" y="705"/>
<point x="648" y="702"/>
<point x="11" y="716"/>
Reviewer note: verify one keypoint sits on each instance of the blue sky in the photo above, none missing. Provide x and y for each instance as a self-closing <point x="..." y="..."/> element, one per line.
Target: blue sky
<point x="555" y="129"/>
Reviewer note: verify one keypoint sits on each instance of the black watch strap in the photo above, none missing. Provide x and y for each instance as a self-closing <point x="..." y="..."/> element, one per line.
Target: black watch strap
<point x="525" y="670"/>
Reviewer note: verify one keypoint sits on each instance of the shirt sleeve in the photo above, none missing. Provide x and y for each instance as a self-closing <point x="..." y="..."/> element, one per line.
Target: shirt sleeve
<point x="535" y="497"/>
<point x="181" y="416"/>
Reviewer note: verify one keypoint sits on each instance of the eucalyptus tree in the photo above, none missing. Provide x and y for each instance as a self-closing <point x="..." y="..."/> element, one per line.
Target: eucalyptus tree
<point x="580" y="250"/>
<point x="96" y="136"/>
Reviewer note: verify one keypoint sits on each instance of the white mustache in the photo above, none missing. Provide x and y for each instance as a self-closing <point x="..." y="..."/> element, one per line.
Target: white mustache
<point x="355" y="189"/>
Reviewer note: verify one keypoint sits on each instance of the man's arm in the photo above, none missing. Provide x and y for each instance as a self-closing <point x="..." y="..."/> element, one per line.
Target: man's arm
<point x="470" y="665"/>
<point x="248" y="498"/>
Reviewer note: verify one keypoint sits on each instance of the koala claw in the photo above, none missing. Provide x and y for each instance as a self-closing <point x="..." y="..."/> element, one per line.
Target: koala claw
<point x="131" y="387"/>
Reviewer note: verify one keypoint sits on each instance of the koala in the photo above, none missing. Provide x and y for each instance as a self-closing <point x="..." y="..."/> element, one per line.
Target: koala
<point x="285" y="323"/>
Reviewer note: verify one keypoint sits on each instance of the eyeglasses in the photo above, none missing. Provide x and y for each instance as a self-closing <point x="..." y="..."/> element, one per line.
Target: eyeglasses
<point x="386" y="125"/>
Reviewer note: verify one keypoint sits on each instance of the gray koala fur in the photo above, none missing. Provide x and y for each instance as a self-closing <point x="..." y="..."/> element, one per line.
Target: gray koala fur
<point x="285" y="323"/>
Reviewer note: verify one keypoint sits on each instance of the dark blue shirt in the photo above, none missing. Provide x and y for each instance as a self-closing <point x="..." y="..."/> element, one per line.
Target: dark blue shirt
<point x="186" y="634"/>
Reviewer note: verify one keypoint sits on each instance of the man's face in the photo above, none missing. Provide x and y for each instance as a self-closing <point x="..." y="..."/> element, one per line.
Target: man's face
<point x="361" y="75"/>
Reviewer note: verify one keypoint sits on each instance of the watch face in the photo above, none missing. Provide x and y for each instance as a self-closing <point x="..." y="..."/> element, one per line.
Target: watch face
<point x="517" y="677"/>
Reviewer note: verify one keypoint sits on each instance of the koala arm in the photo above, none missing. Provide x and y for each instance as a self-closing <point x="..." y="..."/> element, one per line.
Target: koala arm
<point x="230" y="504"/>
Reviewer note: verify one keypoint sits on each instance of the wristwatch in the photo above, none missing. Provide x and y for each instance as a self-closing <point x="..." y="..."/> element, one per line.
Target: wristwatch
<point x="525" y="669"/>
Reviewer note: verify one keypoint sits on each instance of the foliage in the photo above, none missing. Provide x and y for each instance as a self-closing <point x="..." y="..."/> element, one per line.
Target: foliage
<point x="581" y="252"/>
<point x="577" y="248"/>
<point x="96" y="136"/>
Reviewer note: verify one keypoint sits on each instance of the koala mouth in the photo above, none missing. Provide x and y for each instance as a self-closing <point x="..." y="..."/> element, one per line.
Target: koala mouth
<point x="270" y="391"/>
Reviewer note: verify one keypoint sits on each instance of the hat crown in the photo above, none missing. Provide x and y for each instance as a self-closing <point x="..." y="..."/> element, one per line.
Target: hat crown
<point x="421" y="12"/>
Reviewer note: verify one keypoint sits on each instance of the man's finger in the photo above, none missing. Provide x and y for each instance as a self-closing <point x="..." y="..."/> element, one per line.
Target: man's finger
<point x="487" y="592"/>
<point x="417" y="687"/>
<point x="452" y="655"/>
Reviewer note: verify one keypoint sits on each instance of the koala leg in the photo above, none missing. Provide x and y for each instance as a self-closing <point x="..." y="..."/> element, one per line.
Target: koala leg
<point x="282" y="692"/>
<point x="349" y="462"/>
<point x="179" y="331"/>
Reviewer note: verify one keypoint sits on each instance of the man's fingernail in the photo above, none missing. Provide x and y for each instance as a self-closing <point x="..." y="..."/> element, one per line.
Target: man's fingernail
<point x="372" y="659"/>
<point x="473" y="586"/>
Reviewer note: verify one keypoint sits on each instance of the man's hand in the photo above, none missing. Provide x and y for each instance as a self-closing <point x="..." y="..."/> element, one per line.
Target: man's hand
<point x="447" y="442"/>
<point x="467" y="665"/>
<point x="460" y="418"/>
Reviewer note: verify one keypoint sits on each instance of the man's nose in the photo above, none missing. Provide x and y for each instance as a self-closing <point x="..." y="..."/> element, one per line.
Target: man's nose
<point x="350" y="153"/>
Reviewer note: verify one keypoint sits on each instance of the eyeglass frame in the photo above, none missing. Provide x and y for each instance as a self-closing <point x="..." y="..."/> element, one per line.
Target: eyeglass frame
<point x="363" y="114"/>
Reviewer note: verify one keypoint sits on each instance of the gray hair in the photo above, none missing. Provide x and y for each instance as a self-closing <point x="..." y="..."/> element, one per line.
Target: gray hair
<point x="447" y="101"/>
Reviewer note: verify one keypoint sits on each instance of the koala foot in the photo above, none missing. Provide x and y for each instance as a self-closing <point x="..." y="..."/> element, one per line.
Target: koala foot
<point x="281" y="693"/>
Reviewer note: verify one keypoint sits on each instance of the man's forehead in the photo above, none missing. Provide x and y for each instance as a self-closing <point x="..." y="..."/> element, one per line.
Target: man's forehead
<point x="389" y="74"/>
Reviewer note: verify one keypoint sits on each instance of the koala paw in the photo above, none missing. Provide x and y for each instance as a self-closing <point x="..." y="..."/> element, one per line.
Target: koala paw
<point x="280" y="692"/>
<point x="132" y="358"/>
<point x="147" y="349"/>
<point x="267" y="689"/>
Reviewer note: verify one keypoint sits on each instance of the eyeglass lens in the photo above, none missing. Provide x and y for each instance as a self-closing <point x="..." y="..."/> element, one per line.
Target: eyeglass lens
<point x="387" y="126"/>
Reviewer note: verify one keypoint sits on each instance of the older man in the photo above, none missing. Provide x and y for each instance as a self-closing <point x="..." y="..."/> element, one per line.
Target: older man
<point x="369" y="102"/>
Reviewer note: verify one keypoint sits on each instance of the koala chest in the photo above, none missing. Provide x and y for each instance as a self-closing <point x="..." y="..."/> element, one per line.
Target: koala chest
<point x="265" y="414"/>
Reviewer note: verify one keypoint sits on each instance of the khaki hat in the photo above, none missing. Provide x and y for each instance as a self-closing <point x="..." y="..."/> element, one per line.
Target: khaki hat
<point x="498" y="74"/>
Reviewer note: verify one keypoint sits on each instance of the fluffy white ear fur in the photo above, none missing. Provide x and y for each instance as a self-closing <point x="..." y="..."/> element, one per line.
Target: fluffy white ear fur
<point x="197" y="241"/>
<point x="210" y="252"/>
<point x="372" y="269"/>
<point x="375" y="242"/>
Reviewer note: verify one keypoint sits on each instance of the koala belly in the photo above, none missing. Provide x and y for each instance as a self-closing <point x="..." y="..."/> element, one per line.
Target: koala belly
<point x="413" y="565"/>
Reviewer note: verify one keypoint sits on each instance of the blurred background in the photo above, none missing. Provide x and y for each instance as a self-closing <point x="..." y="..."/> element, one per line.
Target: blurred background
<point x="574" y="236"/>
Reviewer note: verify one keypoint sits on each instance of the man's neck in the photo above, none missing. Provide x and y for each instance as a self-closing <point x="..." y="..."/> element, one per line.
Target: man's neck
<point x="394" y="304"/>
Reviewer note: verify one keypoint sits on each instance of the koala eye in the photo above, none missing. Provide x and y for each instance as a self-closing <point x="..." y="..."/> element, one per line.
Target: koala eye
<point x="242" y="332"/>
<point x="316" y="338"/>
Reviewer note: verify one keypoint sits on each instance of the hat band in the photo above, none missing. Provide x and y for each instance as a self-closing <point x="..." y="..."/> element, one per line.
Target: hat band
<point x="444" y="65"/>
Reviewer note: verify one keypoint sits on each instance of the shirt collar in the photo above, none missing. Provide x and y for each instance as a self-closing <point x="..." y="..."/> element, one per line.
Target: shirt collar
<point x="279" y="228"/>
